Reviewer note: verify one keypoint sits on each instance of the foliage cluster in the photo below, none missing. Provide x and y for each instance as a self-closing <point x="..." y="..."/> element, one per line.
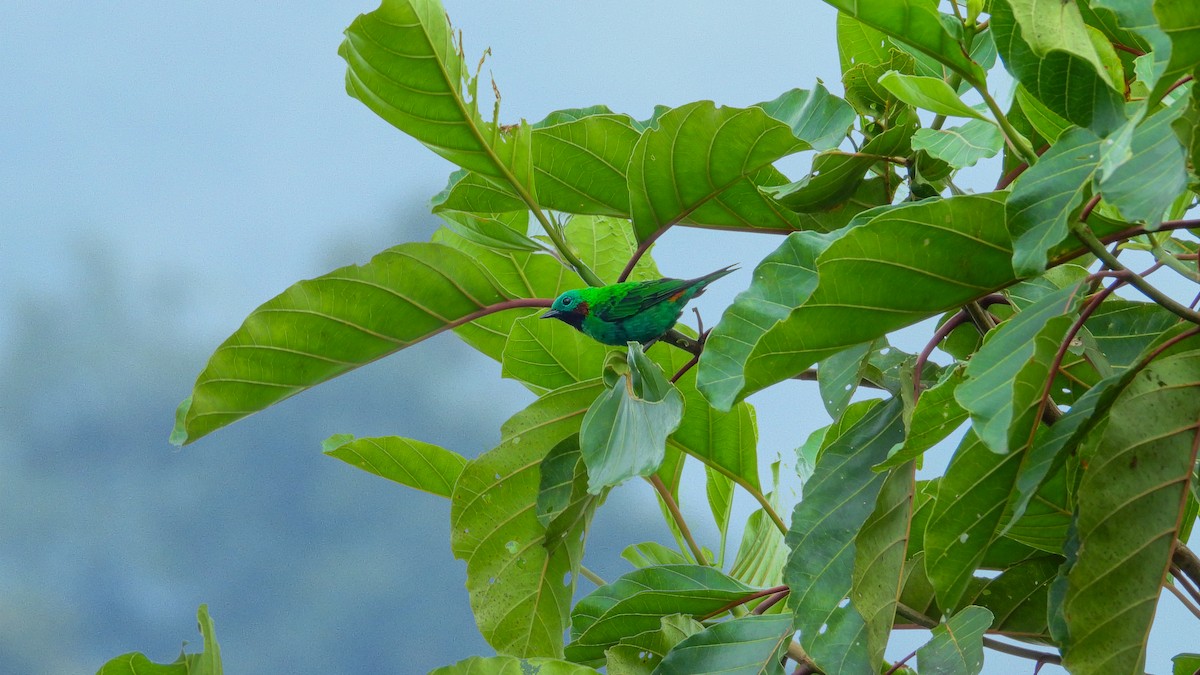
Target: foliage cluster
<point x="1066" y="508"/>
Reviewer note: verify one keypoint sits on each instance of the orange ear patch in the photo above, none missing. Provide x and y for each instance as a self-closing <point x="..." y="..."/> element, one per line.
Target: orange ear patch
<point x="582" y="308"/>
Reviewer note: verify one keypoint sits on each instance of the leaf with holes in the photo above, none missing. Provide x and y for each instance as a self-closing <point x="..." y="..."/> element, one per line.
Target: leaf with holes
<point x="957" y="645"/>
<point x="1006" y="377"/>
<point x="968" y="510"/>
<point x="637" y="601"/>
<point x="516" y="584"/>
<point x="838" y="499"/>
<point x="750" y="645"/>
<point x="1130" y="498"/>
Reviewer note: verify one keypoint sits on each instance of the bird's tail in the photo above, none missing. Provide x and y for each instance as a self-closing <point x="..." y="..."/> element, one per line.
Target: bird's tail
<point x="707" y="279"/>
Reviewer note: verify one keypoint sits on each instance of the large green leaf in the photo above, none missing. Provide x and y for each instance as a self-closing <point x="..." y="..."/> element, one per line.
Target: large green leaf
<point x="859" y="43"/>
<point x="1051" y="445"/>
<point x="957" y="645"/>
<point x="961" y="146"/>
<point x="637" y="601"/>
<point x="837" y="174"/>
<point x="879" y="559"/>
<point x="751" y="645"/>
<point x="417" y="464"/>
<point x="761" y="554"/>
<point x="207" y="662"/>
<point x="1145" y="185"/>
<point x="917" y="23"/>
<point x="929" y="93"/>
<point x="321" y="328"/>
<point x="625" y="430"/>
<point x="1006" y="377"/>
<point x="712" y="178"/>
<point x="511" y="665"/>
<point x="725" y="441"/>
<point x="606" y="245"/>
<point x="563" y="501"/>
<point x="966" y="514"/>
<point x="1069" y="85"/>
<point x="403" y="63"/>
<point x="1057" y="26"/>
<point x="838" y="377"/>
<point x="1180" y="20"/>
<point x="1130" y="498"/>
<point x="1046" y="195"/>
<point x="516" y="582"/>
<point x="782" y="324"/>
<point x="1047" y="123"/>
<point x="839" y="498"/>
<point x="640" y="654"/>
<point x="934" y="417"/>
<point x="816" y="117"/>
<point x="470" y="192"/>
<point x="1124" y="328"/>
<point x="1017" y="598"/>
<point x="579" y="165"/>
<point x="547" y="355"/>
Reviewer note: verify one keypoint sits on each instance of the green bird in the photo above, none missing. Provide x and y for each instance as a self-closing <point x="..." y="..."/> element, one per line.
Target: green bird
<point x="638" y="311"/>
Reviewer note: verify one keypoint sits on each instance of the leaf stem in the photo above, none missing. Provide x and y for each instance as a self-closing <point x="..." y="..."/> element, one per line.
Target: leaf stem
<point x="1185" y="559"/>
<point x="1187" y="603"/>
<point x="899" y="664"/>
<point x="925" y="622"/>
<point x="677" y="516"/>
<point x="1015" y="140"/>
<point x="770" y="602"/>
<point x="1085" y="235"/>
<point x="641" y="251"/>
<point x="743" y="600"/>
<point x="592" y="576"/>
<point x="940" y="334"/>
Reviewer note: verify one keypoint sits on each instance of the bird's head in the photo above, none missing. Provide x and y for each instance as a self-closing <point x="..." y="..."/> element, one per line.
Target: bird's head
<point x="570" y="308"/>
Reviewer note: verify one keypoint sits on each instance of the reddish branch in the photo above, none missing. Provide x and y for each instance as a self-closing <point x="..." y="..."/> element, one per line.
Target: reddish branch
<point x="743" y="600"/>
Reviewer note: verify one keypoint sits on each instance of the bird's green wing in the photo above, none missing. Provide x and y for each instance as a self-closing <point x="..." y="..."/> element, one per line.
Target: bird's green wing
<point x="622" y="301"/>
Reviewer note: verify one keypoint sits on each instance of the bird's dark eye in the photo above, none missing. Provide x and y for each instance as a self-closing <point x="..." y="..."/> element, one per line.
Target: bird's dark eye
<point x="566" y="302"/>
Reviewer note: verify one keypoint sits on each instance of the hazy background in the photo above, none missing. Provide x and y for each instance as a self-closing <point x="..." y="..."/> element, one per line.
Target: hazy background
<point x="167" y="167"/>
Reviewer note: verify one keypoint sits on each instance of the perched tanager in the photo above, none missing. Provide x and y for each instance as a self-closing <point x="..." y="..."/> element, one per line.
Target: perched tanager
<point x="639" y="311"/>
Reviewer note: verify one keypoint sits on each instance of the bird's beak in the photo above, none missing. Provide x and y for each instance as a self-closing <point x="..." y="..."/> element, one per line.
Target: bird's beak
<point x="552" y="314"/>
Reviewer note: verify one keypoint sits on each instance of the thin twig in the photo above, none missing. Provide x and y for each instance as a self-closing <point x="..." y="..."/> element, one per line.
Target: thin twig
<point x="1127" y="49"/>
<point x="770" y="602"/>
<point x="592" y="576"/>
<point x="900" y="664"/>
<point x="641" y="250"/>
<point x="940" y="334"/>
<point x="1085" y="235"/>
<point x="1183" y="599"/>
<point x="1184" y="558"/>
<point x="665" y="494"/>
<point x="1045" y="405"/>
<point x="921" y="620"/>
<point x="1182" y="580"/>
<point x="750" y="597"/>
